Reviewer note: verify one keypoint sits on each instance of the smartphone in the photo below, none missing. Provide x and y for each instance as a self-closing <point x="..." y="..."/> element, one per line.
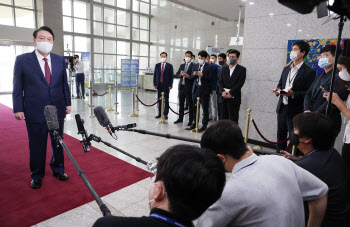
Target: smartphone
<point x="283" y="92"/>
<point x="322" y="88"/>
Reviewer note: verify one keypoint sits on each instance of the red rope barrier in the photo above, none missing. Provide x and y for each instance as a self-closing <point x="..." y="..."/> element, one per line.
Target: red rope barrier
<point x="98" y="94"/>
<point x="167" y="103"/>
<point x="145" y="104"/>
<point x="270" y="142"/>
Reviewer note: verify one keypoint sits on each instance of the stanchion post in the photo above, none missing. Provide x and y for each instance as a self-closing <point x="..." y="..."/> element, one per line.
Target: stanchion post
<point x="247" y="126"/>
<point x="133" y="105"/>
<point x="162" y="121"/>
<point x="293" y="150"/>
<point x="91" y="111"/>
<point x="196" y="130"/>
<point x="110" y="98"/>
<point x="116" y="97"/>
<point x="90" y="94"/>
<point x="137" y="93"/>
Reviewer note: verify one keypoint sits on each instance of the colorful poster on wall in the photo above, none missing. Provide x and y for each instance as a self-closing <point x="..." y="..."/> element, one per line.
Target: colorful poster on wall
<point x="314" y="54"/>
<point x="85" y="58"/>
<point x="125" y="73"/>
<point x="134" y="72"/>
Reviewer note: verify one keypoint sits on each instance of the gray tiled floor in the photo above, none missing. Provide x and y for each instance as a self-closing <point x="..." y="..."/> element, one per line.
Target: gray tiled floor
<point x="132" y="200"/>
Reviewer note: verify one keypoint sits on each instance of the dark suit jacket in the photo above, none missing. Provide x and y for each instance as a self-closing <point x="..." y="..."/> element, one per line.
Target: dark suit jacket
<point x="329" y="167"/>
<point x="31" y="93"/>
<point x="188" y="81"/>
<point x="234" y="82"/>
<point x="302" y="83"/>
<point x="205" y="88"/>
<point x="168" y="75"/>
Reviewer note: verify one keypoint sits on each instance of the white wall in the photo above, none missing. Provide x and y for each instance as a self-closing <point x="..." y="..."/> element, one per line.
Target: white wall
<point x="265" y="55"/>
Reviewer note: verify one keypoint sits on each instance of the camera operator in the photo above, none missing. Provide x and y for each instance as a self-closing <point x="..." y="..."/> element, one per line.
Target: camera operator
<point x="187" y="182"/>
<point x="313" y="135"/>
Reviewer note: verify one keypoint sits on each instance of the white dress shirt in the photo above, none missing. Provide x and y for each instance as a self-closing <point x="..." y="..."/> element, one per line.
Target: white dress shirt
<point x="79" y="67"/>
<point x="232" y="69"/>
<point x="290" y="80"/>
<point x="346" y="138"/>
<point x="42" y="62"/>
<point x="200" y="77"/>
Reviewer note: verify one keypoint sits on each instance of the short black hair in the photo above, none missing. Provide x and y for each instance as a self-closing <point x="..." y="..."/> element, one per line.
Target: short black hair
<point x="75" y="55"/>
<point x="193" y="179"/>
<point x="163" y="53"/>
<point x="194" y="56"/>
<point x="228" y="51"/>
<point x="329" y="48"/>
<point x="222" y="55"/>
<point x="303" y="46"/>
<point x="316" y="126"/>
<point x="203" y="53"/>
<point x="43" y="28"/>
<point x="224" y="137"/>
<point x="189" y="52"/>
<point x="234" y="51"/>
<point x="214" y="55"/>
<point x="344" y="61"/>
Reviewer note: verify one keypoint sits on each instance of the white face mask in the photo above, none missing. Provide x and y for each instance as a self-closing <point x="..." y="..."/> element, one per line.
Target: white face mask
<point x="211" y="60"/>
<point x="344" y="75"/>
<point x="293" y="55"/>
<point x="164" y="193"/>
<point x="192" y="60"/>
<point x="201" y="61"/>
<point x="44" y="47"/>
<point x="187" y="59"/>
<point x="162" y="60"/>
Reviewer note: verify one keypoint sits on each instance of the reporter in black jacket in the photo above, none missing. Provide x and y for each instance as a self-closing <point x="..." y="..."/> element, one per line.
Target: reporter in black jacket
<point x="185" y="88"/>
<point x="231" y="81"/>
<point x="295" y="81"/>
<point x="187" y="182"/>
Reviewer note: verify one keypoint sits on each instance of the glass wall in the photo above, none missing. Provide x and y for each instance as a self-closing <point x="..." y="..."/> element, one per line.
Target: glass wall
<point x="112" y="35"/>
<point x="19" y="13"/>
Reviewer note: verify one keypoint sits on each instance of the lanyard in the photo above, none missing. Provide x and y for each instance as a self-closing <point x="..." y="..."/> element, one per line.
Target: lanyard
<point x="289" y="79"/>
<point x="166" y="219"/>
<point x="310" y="153"/>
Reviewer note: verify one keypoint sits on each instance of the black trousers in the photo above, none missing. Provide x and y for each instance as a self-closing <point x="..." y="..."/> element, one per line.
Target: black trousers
<point x="230" y="110"/>
<point x="37" y="134"/>
<point x="284" y="126"/>
<point x="79" y="81"/>
<point x="161" y="88"/>
<point x="346" y="155"/>
<point x="185" y="95"/>
<point x="204" y="101"/>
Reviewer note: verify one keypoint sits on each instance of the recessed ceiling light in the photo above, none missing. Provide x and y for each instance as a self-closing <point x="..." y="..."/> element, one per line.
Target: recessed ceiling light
<point x="299" y="31"/>
<point x="307" y="35"/>
<point x="289" y="25"/>
<point x="251" y="3"/>
<point x="271" y="14"/>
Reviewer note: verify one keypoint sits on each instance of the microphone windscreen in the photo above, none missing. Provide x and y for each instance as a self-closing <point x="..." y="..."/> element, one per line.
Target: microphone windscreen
<point x="101" y="116"/>
<point x="50" y="113"/>
<point x="79" y="122"/>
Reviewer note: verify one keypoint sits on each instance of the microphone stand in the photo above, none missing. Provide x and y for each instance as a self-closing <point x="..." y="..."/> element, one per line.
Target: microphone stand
<point x="104" y="209"/>
<point x="99" y="140"/>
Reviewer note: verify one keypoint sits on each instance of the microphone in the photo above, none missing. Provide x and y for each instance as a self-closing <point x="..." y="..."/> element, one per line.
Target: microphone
<point x="82" y="131"/>
<point x="103" y="119"/>
<point x="50" y="113"/>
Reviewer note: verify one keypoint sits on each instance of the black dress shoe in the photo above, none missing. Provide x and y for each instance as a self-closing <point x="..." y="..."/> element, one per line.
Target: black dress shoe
<point x="178" y="121"/>
<point x="202" y="129"/>
<point x="61" y="176"/>
<point x="189" y="123"/>
<point x="158" y="116"/>
<point x="35" y="184"/>
<point x="192" y="127"/>
<point x="166" y="117"/>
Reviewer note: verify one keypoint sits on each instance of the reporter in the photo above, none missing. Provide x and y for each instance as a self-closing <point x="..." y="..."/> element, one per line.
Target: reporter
<point x="187" y="182"/>
<point x="344" y="74"/>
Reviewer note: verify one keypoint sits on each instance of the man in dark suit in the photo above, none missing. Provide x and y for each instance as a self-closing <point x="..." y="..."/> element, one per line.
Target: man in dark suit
<point x="295" y="80"/>
<point x="314" y="100"/>
<point x="40" y="79"/>
<point x="163" y="81"/>
<point x="312" y="135"/>
<point x="187" y="182"/>
<point x="185" y="87"/>
<point x="231" y="81"/>
<point x="202" y="73"/>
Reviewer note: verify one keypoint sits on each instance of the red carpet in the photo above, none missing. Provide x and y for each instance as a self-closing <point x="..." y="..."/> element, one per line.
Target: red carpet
<point x="23" y="206"/>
